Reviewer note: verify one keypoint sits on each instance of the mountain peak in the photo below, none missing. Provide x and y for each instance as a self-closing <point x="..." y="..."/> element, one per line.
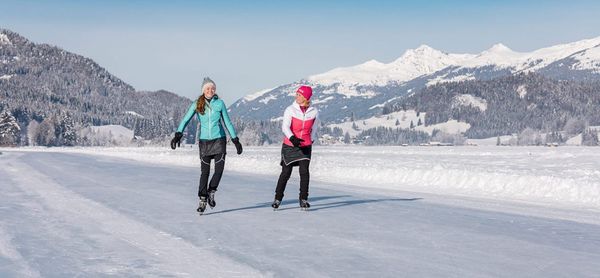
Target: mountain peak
<point x="422" y="50"/>
<point x="499" y="47"/>
<point x="420" y="55"/>
<point x="372" y="63"/>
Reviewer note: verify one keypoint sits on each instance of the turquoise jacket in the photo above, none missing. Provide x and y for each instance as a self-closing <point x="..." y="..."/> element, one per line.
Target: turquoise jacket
<point x="210" y="122"/>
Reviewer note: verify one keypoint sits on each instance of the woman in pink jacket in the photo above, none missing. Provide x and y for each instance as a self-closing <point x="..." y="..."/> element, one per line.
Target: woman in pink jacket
<point x="300" y="123"/>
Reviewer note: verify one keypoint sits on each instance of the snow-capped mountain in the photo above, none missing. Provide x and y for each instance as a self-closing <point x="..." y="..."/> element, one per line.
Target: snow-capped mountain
<point x="413" y="63"/>
<point x="363" y="90"/>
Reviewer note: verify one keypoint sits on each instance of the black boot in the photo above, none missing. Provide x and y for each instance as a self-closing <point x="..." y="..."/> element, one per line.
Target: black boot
<point x="304" y="205"/>
<point x="211" y="199"/>
<point x="275" y="205"/>
<point x="201" y="205"/>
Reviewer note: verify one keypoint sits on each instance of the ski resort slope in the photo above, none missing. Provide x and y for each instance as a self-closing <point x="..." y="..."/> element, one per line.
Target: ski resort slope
<point x="67" y="214"/>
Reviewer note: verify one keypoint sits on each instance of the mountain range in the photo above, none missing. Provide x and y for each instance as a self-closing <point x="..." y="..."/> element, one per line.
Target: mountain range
<point x="364" y="90"/>
<point x="50" y="91"/>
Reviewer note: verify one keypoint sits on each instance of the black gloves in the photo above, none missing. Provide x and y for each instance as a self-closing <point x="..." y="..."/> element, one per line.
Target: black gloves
<point x="296" y="141"/>
<point x="176" y="142"/>
<point x="238" y="145"/>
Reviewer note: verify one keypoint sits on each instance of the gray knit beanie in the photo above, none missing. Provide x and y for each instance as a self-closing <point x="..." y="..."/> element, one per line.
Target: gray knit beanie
<point x="207" y="80"/>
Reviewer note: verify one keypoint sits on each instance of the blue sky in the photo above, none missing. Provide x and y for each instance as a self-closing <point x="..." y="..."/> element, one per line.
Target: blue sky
<point x="246" y="46"/>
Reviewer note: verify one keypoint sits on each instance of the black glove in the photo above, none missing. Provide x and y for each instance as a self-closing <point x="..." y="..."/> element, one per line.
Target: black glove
<point x="238" y="145"/>
<point x="296" y="141"/>
<point x="176" y="142"/>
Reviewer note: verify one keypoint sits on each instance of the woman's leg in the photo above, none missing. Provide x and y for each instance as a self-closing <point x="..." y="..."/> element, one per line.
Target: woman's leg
<point x="286" y="172"/>
<point x="205" y="171"/>
<point x="219" y="166"/>
<point x="304" y="178"/>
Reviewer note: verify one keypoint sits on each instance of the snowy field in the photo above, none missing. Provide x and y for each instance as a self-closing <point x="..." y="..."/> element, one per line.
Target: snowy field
<point x="377" y="212"/>
<point x="563" y="176"/>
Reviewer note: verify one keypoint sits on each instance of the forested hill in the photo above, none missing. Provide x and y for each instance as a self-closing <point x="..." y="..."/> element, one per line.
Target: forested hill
<point x="40" y="82"/>
<point x="509" y="104"/>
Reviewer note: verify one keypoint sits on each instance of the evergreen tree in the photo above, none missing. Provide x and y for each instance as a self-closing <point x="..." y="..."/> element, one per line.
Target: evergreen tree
<point x="390" y="136"/>
<point x="337" y="132"/>
<point x="9" y="130"/>
<point x="386" y="110"/>
<point x="66" y="134"/>
<point x="347" y="138"/>
<point x="589" y="138"/>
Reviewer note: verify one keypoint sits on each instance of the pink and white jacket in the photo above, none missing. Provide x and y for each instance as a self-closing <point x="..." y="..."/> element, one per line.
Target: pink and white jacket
<point x="300" y="124"/>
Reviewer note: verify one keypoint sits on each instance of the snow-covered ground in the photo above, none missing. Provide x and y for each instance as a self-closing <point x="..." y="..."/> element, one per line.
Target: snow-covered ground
<point x="563" y="176"/>
<point x="377" y="212"/>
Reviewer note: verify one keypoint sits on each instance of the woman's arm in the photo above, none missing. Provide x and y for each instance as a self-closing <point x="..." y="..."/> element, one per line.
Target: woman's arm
<point x="287" y="123"/>
<point x="188" y="116"/>
<point x="227" y="121"/>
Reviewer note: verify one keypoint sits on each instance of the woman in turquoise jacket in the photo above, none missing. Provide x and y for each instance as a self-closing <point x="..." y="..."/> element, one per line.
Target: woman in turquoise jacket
<point x="209" y="111"/>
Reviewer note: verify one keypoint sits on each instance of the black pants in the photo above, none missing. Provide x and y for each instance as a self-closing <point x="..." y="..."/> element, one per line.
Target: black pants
<point x="205" y="169"/>
<point x="286" y="172"/>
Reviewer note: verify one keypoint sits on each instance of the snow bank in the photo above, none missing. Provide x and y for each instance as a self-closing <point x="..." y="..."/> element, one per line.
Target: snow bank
<point x="564" y="176"/>
<point x="107" y="135"/>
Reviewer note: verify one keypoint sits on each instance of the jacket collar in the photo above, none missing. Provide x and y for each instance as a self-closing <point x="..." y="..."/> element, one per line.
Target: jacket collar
<point x="297" y="107"/>
<point x="213" y="98"/>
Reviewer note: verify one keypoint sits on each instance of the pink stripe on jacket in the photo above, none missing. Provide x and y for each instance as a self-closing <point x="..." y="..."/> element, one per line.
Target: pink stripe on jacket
<point x="300" y="124"/>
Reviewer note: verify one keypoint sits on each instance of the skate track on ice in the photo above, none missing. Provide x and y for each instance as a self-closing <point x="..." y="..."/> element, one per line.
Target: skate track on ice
<point x="66" y="215"/>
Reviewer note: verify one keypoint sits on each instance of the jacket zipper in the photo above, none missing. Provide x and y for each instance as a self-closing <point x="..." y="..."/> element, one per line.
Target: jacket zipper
<point x="210" y="135"/>
<point x="303" y="120"/>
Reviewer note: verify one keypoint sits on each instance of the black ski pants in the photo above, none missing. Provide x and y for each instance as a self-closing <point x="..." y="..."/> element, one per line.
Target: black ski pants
<point x="286" y="172"/>
<point x="204" y="187"/>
